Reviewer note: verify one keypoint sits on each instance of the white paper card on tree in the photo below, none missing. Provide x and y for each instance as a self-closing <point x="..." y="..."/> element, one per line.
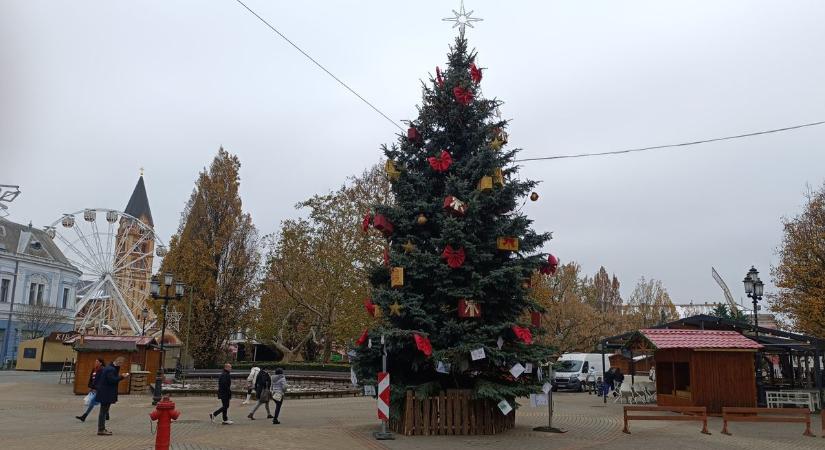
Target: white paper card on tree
<point x="477" y="354"/>
<point x="541" y="400"/>
<point x="517" y="370"/>
<point x="546" y="388"/>
<point x="369" y="390"/>
<point x="500" y="342"/>
<point x="528" y="368"/>
<point x="539" y="374"/>
<point x="442" y="367"/>
<point x="369" y="343"/>
<point x="504" y="407"/>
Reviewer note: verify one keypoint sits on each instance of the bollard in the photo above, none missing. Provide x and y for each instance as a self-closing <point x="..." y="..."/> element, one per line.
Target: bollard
<point x="164" y="413"/>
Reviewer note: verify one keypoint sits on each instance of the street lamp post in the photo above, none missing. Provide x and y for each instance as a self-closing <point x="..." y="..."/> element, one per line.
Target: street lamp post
<point x="755" y="288"/>
<point x="176" y="294"/>
<point x="144" y="314"/>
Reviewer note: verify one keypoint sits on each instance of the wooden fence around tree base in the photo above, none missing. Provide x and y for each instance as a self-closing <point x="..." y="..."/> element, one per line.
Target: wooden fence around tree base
<point x="450" y="413"/>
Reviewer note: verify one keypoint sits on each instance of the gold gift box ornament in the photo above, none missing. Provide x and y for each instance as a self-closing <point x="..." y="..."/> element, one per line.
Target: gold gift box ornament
<point x="485" y="184"/>
<point x="507" y="243"/>
<point x="397" y="277"/>
<point x="392" y="170"/>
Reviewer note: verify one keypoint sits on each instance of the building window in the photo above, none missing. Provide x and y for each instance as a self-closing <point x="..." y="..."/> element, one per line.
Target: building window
<point x="65" y="297"/>
<point x="36" y="293"/>
<point x="4" y="290"/>
<point x="30" y="353"/>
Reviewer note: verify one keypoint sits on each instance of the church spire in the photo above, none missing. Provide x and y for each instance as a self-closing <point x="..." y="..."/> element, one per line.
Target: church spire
<point x="138" y="205"/>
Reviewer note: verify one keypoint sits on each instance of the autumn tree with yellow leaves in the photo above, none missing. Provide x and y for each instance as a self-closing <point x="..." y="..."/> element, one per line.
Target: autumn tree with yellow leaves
<point x="800" y="274"/>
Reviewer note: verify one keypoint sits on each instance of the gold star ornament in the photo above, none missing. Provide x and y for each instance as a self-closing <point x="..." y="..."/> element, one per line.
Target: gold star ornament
<point x="395" y="309"/>
<point x="408" y="247"/>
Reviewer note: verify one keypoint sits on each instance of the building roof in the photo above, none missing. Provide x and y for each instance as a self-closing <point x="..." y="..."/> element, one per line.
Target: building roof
<point x="138" y="205"/>
<point x="698" y="339"/>
<point x="133" y="340"/>
<point x="26" y="240"/>
<point x="100" y="346"/>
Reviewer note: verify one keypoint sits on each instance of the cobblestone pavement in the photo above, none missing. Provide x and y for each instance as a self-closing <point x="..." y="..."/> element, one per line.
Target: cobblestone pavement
<point x="37" y="413"/>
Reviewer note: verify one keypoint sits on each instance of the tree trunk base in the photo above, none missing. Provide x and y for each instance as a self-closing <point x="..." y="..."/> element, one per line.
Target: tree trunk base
<point x="453" y="412"/>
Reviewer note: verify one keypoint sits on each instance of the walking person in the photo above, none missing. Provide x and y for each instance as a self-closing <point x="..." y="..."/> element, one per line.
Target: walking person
<point x="92" y="397"/>
<point x="590" y="382"/>
<point x="608" y="381"/>
<point x="250" y="384"/>
<point x="224" y="394"/>
<point x="262" y="385"/>
<point x="278" y="390"/>
<point x="618" y="379"/>
<point x="106" y="393"/>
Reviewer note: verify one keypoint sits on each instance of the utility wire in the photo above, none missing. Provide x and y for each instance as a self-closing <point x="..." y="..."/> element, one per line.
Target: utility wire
<point x="320" y="66"/>
<point x="683" y="144"/>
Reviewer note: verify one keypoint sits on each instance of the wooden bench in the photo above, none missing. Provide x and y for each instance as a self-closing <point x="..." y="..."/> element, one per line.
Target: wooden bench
<point x="791" y="415"/>
<point x="688" y="413"/>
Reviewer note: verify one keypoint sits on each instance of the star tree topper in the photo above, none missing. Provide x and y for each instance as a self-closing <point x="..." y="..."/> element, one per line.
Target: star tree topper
<point x="462" y="18"/>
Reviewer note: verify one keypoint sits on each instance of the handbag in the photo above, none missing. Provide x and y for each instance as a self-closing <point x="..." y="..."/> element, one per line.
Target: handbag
<point x="278" y="396"/>
<point x="89" y="398"/>
<point x="265" y="396"/>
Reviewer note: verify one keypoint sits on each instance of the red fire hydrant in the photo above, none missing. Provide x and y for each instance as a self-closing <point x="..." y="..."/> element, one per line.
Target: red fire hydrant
<point x="164" y="413"/>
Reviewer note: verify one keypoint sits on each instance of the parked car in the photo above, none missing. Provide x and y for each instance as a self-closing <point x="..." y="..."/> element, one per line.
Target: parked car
<point x="572" y="368"/>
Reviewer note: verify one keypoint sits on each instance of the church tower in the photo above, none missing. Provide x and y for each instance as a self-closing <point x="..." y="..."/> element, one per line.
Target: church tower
<point x="134" y="251"/>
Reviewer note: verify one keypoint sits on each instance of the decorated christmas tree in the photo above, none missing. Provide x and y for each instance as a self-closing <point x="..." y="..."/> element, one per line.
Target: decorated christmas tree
<point x="451" y="299"/>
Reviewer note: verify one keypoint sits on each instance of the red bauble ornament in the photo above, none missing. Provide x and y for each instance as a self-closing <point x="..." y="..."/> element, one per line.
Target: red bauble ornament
<point x="463" y="96"/>
<point x="455" y="258"/>
<point x="423" y="344"/>
<point x="468" y="308"/>
<point x="475" y="73"/>
<point x="365" y="225"/>
<point x="438" y="78"/>
<point x="455" y="206"/>
<point x="549" y="268"/>
<point x="382" y="224"/>
<point x="535" y="319"/>
<point x="363" y="337"/>
<point x="412" y="134"/>
<point x="369" y="306"/>
<point x="442" y="162"/>
<point x="523" y="334"/>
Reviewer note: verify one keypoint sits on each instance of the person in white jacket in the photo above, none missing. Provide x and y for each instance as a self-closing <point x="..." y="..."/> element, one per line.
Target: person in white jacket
<point x="250" y="383"/>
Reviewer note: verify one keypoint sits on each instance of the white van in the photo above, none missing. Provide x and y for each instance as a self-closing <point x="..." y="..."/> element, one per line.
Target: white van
<point x="572" y="369"/>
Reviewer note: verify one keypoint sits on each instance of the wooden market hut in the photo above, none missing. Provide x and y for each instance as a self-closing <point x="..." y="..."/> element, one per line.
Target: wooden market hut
<point x="45" y="353"/>
<point x="710" y="368"/>
<point x="141" y="353"/>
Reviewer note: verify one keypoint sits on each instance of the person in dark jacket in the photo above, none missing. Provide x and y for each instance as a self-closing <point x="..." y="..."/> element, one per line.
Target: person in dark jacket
<point x="224" y="394"/>
<point x="99" y="365"/>
<point x="608" y="381"/>
<point x="262" y="383"/>
<point x="106" y="384"/>
<point x="618" y="379"/>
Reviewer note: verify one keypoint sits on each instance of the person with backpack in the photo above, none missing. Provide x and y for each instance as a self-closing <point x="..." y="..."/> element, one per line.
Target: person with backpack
<point x="278" y="389"/>
<point x="262" y="385"/>
<point x="99" y="365"/>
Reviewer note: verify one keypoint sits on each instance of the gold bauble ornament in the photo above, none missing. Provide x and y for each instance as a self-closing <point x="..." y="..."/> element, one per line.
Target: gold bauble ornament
<point x="422" y="219"/>
<point x="534" y="196"/>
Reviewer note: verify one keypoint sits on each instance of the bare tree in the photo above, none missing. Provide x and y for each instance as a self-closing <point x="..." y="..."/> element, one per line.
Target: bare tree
<point x="38" y="319"/>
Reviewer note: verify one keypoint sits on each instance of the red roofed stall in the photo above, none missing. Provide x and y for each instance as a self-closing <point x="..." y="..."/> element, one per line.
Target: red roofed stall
<point x="710" y="368"/>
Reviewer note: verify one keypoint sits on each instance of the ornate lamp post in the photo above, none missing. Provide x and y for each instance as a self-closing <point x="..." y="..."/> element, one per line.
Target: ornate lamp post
<point x="755" y="288"/>
<point x="170" y="290"/>
<point x="144" y="314"/>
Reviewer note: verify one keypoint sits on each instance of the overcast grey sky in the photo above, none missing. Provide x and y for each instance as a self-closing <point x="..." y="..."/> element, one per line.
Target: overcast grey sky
<point x="90" y="91"/>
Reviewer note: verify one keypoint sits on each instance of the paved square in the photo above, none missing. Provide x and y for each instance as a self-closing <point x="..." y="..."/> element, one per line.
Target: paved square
<point x="37" y="413"/>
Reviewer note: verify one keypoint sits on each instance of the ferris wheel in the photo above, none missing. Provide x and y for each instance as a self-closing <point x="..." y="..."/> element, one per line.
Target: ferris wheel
<point x="115" y="253"/>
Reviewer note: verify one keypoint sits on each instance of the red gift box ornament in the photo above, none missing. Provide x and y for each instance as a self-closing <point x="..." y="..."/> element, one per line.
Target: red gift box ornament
<point x="523" y="334"/>
<point x="535" y="319"/>
<point x="412" y="134"/>
<point x="441" y="162"/>
<point x="549" y="268"/>
<point x="365" y="225"/>
<point x="382" y="224"/>
<point x="369" y="306"/>
<point x="475" y="73"/>
<point x="438" y="78"/>
<point x="363" y="337"/>
<point x="423" y="344"/>
<point x="463" y="96"/>
<point x="468" y="308"/>
<point x="455" y="206"/>
<point x="455" y="258"/>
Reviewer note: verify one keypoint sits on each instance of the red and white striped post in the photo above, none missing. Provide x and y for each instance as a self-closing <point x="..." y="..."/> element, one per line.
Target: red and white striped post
<point x="383" y="396"/>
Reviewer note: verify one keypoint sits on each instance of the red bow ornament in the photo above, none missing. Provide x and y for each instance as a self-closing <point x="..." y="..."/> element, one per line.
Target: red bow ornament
<point x="423" y="344"/>
<point x="382" y="224"/>
<point x="438" y="78"/>
<point x="365" y="225"/>
<point x="455" y="258"/>
<point x="523" y="334"/>
<point x="463" y="96"/>
<point x="549" y="268"/>
<point x="369" y="306"/>
<point x="363" y="337"/>
<point x="442" y="162"/>
<point x="475" y="73"/>
<point x="455" y="206"/>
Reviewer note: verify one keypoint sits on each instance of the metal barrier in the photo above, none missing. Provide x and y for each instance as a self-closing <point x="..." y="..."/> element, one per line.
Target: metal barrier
<point x="790" y="415"/>
<point x="697" y="413"/>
